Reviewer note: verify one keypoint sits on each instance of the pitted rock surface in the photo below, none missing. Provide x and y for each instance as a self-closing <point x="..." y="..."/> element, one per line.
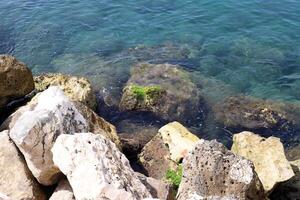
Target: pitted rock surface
<point x="210" y="171"/>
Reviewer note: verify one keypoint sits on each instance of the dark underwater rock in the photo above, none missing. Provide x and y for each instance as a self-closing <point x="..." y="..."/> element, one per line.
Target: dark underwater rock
<point x="241" y="113"/>
<point x="165" y="90"/>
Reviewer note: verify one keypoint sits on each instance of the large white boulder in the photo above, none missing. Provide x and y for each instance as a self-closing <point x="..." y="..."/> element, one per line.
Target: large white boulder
<point x="35" y="130"/>
<point x="96" y="169"/>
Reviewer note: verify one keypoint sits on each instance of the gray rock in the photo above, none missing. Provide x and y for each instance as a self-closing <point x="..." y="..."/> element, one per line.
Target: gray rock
<point x="210" y="171"/>
<point x="15" y="79"/>
<point x="96" y="169"/>
<point x="16" y="181"/>
<point x="35" y="130"/>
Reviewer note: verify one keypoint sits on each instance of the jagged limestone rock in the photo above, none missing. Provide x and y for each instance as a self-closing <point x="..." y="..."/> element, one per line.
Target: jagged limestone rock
<point x="96" y="169"/>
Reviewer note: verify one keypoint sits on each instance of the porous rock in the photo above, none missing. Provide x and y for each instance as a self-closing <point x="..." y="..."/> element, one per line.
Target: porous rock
<point x="210" y="171"/>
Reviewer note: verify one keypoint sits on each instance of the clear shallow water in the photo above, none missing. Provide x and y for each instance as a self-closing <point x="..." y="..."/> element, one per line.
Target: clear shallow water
<point x="253" y="46"/>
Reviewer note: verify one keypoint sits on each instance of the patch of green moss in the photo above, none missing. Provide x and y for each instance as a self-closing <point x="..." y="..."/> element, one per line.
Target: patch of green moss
<point x="174" y="176"/>
<point x="144" y="92"/>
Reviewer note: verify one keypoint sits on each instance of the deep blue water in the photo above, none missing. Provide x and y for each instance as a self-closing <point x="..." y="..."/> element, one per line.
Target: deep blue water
<point x="251" y="46"/>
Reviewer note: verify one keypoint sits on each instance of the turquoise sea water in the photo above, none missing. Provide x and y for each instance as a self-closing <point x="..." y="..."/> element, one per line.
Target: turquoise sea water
<point x="252" y="46"/>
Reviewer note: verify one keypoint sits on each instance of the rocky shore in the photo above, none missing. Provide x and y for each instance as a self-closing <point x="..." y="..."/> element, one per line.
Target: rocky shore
<point x="55" y="144"/>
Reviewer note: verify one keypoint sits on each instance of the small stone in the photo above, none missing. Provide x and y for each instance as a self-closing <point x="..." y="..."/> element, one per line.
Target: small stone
<point x="63" y="191"/>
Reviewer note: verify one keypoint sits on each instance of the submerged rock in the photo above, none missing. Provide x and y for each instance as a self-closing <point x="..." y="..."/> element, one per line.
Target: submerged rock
<point x="76" y="88"/>
<point x="15" y="79"/>
<point x="96" y="169"/>
<point x="267" y="155"/>
<point x="210" y="171"/>
<point x="36" y="126"/>
<point x="63" y="191"/>
<point x="166" y="149"/>
<point x="165" y="90"/>
<point x="241" y="112"/>
<point x="16" y="181"/>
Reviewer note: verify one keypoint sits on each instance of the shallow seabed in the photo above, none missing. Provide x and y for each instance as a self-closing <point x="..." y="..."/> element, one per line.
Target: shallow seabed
<point x="249" y="47"/>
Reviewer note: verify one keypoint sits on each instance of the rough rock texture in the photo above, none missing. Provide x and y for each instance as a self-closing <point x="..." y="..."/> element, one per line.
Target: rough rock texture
<point x="155" y="158"/>
<point x="96" y="169"/>
<point x="178" y="139"/>
<point x="170" y="145"/>
<point x="156" y="88"/>
<point x="15" y="79"/>
<point x="157" y="188"/>
<point x="63" y="191"/>
<point x="267" y="155"/>
<point x="254" y="114"/>
<point x="210" y="171"/>
<point x="16" y="181"/>
<point x="36" y="129"/>
<point x="98" y="125"/>
<point x="289" y="190"/>
<point x="76" y="88"/>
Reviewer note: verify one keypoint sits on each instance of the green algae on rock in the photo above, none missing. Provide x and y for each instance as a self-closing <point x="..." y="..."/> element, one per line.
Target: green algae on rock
<point x="164" y="89"/>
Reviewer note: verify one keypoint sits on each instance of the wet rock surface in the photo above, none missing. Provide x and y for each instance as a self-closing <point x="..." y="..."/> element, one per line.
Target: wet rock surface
<point x="16" y="181"/>
<point x="156" y="88"/>
<point x="15" y="80"/>
<point x="76" y="88"/>
<point x="96" y="169"/>
<point x="35" y="129"/>
<point x="267" y="155"/>
<point x="210" y="171"/>
<point x="263" y="117"/>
